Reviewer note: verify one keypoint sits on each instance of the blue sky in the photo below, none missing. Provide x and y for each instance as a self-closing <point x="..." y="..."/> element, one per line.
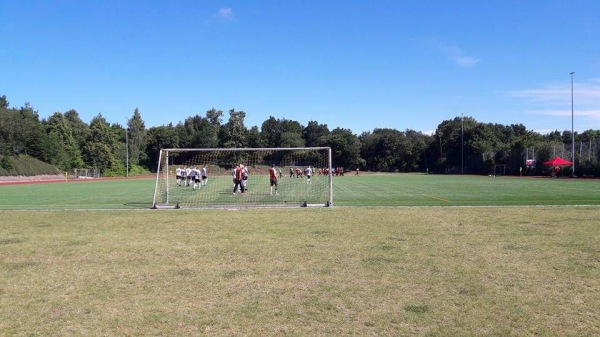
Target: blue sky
<point x="358" y="65"/>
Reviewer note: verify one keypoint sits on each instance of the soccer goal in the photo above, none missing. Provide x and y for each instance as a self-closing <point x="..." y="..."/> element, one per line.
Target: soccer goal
<point x="86" y="173"/>
<point x="188" y="178"/>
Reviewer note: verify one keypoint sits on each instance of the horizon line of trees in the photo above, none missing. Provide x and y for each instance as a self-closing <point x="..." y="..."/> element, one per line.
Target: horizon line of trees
<point x="459" y="145"/>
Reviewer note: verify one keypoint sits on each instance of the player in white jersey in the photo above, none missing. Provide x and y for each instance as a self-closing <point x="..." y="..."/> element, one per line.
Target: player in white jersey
<point x="178" y="175"/>
<point x="196" y="177"/>
<point x="233" y="173"/>
<point x="183" y="176"/>
<point x="188" y="174"/>
<point x="245" y="177"/>
<point x="309" y="173"/>
<point x="204" y="176"/>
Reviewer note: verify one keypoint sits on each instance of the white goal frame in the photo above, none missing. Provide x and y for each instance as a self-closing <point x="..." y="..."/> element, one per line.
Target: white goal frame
<point x="166" y="188"/>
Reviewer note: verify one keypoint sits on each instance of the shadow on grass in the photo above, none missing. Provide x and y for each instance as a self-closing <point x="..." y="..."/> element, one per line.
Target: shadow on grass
<point x="138" y="205"/>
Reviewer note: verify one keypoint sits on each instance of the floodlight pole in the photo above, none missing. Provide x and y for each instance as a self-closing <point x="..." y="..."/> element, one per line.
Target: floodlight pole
<point x="572" y="130"/>
<point x="127" y="152"/>
<point x="462" y="143"/>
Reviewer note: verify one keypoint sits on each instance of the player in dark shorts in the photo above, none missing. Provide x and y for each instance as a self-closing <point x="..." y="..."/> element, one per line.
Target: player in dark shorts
<point x="273" y="179"/>
<point x="204" y="176"/>
<point x="178" y="176"/>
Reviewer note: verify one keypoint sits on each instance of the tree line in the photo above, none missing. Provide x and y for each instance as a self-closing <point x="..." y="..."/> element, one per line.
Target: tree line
<point x="459" y="145"/>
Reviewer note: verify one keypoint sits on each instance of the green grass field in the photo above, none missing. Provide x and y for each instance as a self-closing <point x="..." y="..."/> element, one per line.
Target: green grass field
<point x="366" y="190"/>
<point x="91" y="258"/>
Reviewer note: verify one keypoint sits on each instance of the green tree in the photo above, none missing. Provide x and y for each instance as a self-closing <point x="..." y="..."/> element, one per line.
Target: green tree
<point x="380" y="149"/>
<point x="520" y="140"/>
<point x="136" y="138"/>
<point x="80" y="129"/>
<point x="3" y="102"/>
<point x="197" y="132"/>
<point x="345" y="148"/>
<point x="214" y="117"/>
<point x="8" y="120"/>
<point x="273" y="131"/>
<point x="254" y="138"/>
<point x="270" y="132"/>
<point x="30" y="133"/>
<point x="415" y="158"/>
<point x="99" y="148"/>
<point x="161" y="137"/>
<point x="589" y="136"/>
<point x="65" y="152"/>
<point x="391" y="150"/>
<point x="315" y="134"/>
<point x="234" y="131"/>
<point x="118" y="148"/>
<point x="449" y="136"/>
<point x="291" y="139"/>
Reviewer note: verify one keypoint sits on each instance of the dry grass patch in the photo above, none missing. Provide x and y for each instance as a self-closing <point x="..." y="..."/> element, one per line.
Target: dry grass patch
<point x="364" y="271"/>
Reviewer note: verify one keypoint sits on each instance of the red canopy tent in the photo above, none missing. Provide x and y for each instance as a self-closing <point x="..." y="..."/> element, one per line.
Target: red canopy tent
<point x="557" y="161"/>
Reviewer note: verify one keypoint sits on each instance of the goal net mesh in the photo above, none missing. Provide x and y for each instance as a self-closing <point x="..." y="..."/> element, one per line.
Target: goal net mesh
<point x="206" y="177"/>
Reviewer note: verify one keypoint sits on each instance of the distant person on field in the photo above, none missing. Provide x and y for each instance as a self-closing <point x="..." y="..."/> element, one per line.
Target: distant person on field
<point x="308" y="172"/>
<point x="188" y="175"/>
<point x="196" y="177"/>
<point x="357" y="170"/>
<point x="183" y="176"/>
<point x="245" y="178"/>
<point x="556" y="171"/>
<point x="204" y="176"/>
<point x="178" y="176"/>
<point x="238" y="179"/>
<point x="273" y="179"/>
<point x="291" y="172"/>
<point x="233" y="175"/>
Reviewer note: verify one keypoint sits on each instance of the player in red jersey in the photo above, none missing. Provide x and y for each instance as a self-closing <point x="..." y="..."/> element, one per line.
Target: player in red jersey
<point x="273" y="179"/>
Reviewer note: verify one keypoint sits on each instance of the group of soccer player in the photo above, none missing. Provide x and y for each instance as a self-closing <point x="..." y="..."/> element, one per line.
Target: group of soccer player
<point x="191" y="176"/>
<point x="240" y="178"/>
<point x="196" y="178"/>
<point x="298" y="173"/>
<point x="337" y="171"/>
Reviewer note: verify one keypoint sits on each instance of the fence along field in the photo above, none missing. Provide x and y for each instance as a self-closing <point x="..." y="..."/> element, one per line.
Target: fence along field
<point x="340" y="270"/>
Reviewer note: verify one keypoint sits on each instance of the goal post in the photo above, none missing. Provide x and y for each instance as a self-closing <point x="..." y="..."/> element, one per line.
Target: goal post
<point x="206" y="177"/>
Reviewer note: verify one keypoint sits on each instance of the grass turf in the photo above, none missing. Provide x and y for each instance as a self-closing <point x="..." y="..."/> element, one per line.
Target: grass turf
<point x="365" y="190"/>
<point x="433" y="271"/>
<point x="361" y="270"/>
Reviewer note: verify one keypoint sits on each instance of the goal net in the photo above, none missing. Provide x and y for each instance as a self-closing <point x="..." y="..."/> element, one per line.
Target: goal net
<point x="241" y="177"/>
